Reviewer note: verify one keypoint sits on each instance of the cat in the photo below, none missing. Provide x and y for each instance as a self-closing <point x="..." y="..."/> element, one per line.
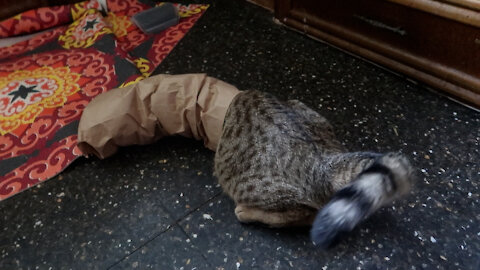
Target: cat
<point x="282" y="165"/>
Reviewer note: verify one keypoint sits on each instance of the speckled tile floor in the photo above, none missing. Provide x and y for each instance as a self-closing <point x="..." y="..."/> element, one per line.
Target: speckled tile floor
<point x="159" y="206"/>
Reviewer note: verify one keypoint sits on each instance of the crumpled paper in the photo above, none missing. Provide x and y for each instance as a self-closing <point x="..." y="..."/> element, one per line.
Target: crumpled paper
<point x="190" y="105"/>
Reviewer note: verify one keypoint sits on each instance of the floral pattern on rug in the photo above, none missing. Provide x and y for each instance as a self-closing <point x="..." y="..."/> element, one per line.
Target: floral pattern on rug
<point x="47" y="81"/>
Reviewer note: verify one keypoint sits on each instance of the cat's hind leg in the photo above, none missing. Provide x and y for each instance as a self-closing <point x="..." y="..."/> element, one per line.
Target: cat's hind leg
<point x="293" y="217"/>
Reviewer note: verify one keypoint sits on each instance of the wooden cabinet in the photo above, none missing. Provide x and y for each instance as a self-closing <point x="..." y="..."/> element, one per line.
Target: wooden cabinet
<point x="435" y="42"/>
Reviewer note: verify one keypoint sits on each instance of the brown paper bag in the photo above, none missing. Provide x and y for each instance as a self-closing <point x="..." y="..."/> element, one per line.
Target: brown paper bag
<point x="191" y="105"/>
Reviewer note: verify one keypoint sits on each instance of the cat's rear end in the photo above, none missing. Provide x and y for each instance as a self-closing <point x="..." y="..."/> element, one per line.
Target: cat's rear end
<point x="281" y="163"/>
<point x="388" y="178"/>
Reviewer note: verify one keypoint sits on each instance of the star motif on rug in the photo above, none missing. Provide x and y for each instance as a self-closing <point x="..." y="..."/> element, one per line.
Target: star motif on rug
<point x="22" y="92"/>
<point x="89" y="25"/>
<point x="26" y="94"/>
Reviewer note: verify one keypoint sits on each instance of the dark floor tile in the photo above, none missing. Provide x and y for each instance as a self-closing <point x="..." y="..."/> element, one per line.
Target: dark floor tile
<point x="179" y="170"/>
<point x="170" y="250"/>
<point x="227" y="244"/>
<point x="393" y="238"/>
<point x="76" y="223"/>
<point x="99" y="211"/>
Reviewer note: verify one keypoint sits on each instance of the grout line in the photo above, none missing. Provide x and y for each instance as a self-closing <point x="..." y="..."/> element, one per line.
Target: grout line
<point x="198" y="251"/>
<point x="186" y="234"/>
<point x="170" y="226"/>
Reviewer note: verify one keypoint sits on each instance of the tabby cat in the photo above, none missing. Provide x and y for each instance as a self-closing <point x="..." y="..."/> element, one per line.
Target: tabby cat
<point x="282" y="165"/>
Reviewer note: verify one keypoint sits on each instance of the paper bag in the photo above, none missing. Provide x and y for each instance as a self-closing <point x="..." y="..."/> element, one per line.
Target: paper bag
<point x="191" y="105"/>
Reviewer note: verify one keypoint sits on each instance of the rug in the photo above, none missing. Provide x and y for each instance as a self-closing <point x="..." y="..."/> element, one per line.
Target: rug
<point x="46" y="81"/>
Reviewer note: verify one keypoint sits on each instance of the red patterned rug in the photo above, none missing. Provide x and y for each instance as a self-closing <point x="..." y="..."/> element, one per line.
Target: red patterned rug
<point x="46" y="81"/>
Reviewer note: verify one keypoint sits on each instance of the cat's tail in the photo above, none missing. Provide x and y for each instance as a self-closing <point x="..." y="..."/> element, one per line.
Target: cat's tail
<point x="389" y="177"/>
